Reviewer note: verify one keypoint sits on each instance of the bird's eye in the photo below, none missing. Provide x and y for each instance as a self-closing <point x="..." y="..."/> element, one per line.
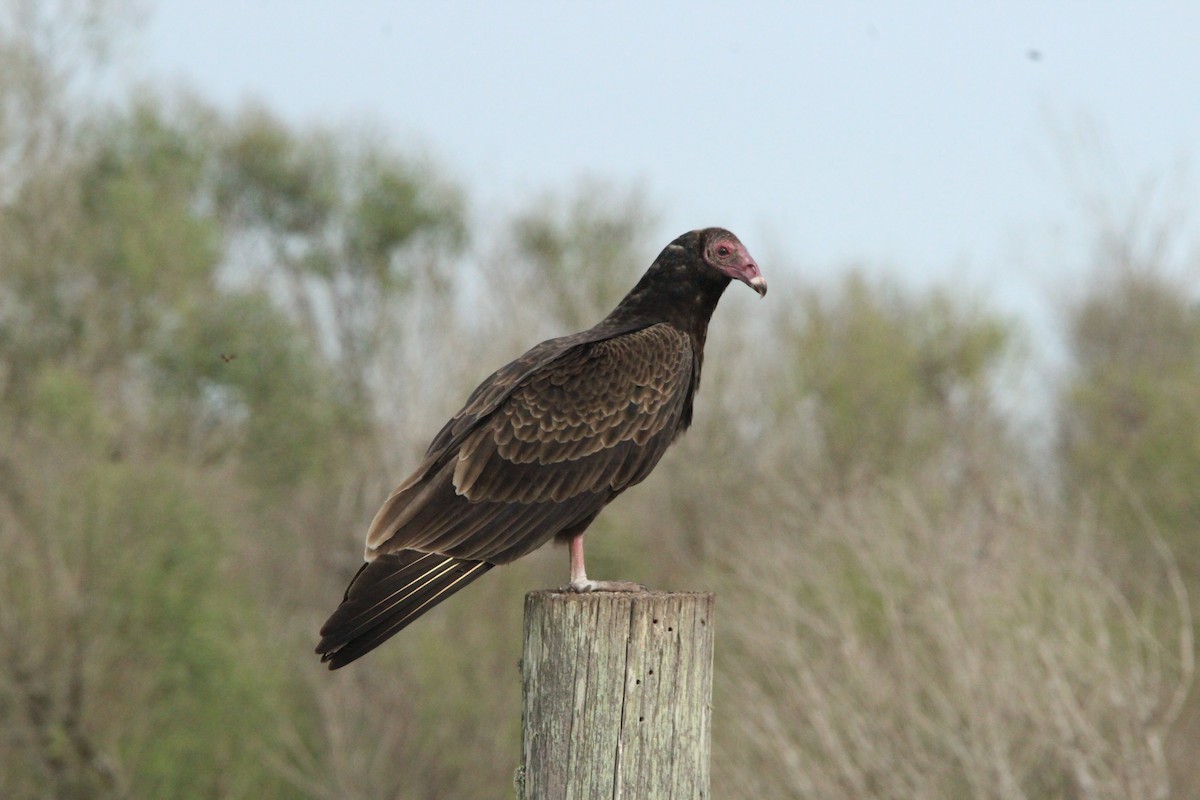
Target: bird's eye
<point x="722" y="250"/>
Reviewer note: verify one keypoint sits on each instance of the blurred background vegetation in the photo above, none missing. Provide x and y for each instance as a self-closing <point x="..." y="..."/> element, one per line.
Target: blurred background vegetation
<point x="224" y="338"/>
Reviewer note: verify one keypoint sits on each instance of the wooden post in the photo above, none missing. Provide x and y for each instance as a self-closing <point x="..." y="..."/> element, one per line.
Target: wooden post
<point x="617" y="696"/>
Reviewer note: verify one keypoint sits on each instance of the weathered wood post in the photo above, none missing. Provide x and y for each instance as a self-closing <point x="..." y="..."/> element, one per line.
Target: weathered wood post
<point x="617" y="696"/>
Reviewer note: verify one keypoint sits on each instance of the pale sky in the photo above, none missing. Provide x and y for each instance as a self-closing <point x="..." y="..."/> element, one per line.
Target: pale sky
<point x="926" y="139"/>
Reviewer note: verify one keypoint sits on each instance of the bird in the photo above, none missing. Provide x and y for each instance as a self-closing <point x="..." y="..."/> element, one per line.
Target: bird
<point x="542" y="446"/>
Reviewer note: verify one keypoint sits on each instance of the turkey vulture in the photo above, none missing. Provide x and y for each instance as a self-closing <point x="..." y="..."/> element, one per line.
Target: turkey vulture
<point x="542" y="446"/>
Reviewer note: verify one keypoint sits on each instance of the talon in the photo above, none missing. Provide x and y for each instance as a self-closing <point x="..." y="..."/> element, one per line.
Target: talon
<point x="585" y="585"/>
<point x="579" y="579"/>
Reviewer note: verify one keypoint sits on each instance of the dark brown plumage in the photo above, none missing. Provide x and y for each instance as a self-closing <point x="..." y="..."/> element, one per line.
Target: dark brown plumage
<point x="542" y="446"/>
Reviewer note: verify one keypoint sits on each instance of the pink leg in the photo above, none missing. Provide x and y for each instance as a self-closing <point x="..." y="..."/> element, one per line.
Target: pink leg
<point x="579" y="579"/>
<point x="578" y="573"/>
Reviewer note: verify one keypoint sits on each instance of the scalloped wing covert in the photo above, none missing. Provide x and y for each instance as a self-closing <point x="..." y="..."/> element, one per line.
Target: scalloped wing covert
<point x="550" y="449"/>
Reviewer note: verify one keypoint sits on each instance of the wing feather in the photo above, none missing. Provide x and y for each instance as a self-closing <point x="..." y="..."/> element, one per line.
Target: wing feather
<point x="386" y="595"/>
<point x="538" y="450"/>
<point x="547" y="447"/>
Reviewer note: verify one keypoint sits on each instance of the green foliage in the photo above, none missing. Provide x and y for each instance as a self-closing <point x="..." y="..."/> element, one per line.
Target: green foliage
<point x="127" y="598"/>
<point x="351" y="230"/>
<point x="347" y="211"/>
<point x="145" y="240"/>
<point x="886" y="374"/>
<point x="241" y="381"/>
<point x="148" y="380"/>
<point x="581" y="253"/>
<point x="268" y="178"/>
<point x="398" y="205"/>
<point x="161" y="600"/>
<point x="102" y="248"/>
<point x="65" y="404"/>
<point x="1131" y="434"/>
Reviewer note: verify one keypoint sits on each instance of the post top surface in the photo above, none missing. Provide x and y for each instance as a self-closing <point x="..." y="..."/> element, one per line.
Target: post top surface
<point x="557" y="594"/>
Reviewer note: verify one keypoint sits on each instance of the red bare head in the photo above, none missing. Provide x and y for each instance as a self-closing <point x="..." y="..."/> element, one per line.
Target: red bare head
<point x="724" y="253"/>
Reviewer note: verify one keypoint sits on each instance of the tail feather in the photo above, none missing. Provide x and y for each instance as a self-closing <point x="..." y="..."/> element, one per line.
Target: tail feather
<point x="386" y="595"/>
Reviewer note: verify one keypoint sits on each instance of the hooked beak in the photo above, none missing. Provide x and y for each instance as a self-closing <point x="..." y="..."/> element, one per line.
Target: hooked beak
<point x="752" y="276"/>
<point x="746" y="270"/>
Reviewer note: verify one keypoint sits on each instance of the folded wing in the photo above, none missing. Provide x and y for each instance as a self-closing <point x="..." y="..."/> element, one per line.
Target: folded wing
<point x="538" y="450"/>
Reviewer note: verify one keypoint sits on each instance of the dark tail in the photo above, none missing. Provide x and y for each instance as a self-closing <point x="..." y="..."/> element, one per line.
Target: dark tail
<point x="386" y="595"/>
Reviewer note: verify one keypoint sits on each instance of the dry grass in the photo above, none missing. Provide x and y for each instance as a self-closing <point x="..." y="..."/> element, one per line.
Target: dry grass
<point x="892" y="646"/>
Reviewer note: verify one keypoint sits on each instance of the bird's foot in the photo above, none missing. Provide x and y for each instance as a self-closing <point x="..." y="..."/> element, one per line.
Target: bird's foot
<point x="586" y="585"/>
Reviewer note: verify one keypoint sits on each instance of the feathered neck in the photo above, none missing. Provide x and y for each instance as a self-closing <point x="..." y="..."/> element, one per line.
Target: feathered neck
<point x="678" y="288"/>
